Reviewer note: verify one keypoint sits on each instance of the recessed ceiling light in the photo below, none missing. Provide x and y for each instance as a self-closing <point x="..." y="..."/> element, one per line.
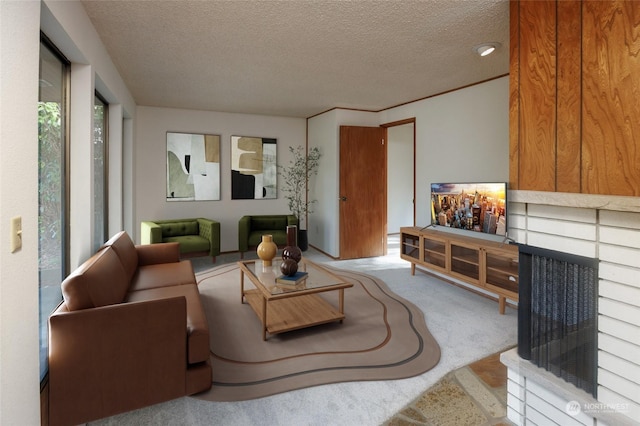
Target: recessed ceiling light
<point x="486" y="48"/>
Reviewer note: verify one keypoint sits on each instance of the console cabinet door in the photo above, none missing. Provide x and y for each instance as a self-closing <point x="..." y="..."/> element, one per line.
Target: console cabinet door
<point x="501" y="272"/>
<point x="465" y="262"/>
<point x="410" y="246"/>
<point x="435" y="253"/>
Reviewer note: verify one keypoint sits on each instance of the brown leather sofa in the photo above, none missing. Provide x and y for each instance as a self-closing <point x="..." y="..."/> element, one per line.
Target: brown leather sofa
<point x="130" y="332"/>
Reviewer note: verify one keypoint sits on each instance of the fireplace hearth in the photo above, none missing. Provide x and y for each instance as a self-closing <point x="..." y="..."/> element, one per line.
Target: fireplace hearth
<point x="557" y="314"/>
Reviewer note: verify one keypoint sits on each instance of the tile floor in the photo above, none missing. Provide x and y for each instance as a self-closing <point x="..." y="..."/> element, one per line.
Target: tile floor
<point x="472" y="395"/>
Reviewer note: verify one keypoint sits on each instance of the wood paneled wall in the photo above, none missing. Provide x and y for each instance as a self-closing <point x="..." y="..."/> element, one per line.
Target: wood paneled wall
<point x="575" y="96"/>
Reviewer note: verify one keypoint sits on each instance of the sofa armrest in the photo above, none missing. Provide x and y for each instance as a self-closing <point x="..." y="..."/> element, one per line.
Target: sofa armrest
<point x="210" y="229"/>
<point x="244" y="229"/>
<point x="150" y="232"/>
<point x="292" y="220"/>
<point x="158" y="253"/>
<point x="116" y="358"/>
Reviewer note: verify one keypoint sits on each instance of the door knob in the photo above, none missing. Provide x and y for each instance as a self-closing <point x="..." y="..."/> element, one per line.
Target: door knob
<point x="343" y="198"/>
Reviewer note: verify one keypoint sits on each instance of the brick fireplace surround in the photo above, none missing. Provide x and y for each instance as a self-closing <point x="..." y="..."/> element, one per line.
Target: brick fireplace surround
<point x="602" y="227"/>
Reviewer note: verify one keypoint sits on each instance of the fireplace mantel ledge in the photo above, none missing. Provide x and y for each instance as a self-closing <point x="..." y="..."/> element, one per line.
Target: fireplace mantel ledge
<point x="559" y="387"/>
<point x="567" y="199"/>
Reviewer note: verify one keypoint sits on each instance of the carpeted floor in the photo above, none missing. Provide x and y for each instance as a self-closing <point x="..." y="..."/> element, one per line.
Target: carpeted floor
<point x="467" y="327"/>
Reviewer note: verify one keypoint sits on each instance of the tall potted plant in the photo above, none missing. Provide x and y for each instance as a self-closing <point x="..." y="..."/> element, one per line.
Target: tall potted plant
<point x="296" y="177"/>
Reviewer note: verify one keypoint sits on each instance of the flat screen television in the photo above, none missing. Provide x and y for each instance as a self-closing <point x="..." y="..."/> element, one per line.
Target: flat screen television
<point x="474" y="207"/>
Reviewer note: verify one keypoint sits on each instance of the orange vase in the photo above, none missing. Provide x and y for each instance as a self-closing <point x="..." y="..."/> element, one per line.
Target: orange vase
<point x="267" y="250"/>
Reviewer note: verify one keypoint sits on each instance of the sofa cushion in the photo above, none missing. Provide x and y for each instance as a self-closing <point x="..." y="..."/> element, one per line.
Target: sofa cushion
<point x="189" y="243"/>
<point x="151" y="254"/>
<point x="175" y="229"/>
<point x="126" y="251"/>
<point x="197" y="328"/>
<point x="99" y="281"/>
<point x="163" y="275"/>
<point x="268" y="222"/>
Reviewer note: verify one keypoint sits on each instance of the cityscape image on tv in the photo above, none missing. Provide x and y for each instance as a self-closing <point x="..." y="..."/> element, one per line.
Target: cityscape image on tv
<point x="479" y="207"/>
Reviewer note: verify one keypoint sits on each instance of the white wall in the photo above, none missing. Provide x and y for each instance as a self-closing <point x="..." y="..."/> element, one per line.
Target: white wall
<point x="324" y="188"/>
<point x="19" y="347"/>
<point x="460" y="136"/>
<point x="399" y="193"/>
<point x="67" y="25"/>
<point x="152" y="124"/>
<point x="324" y="133"/>
<point x="81" y="162"/>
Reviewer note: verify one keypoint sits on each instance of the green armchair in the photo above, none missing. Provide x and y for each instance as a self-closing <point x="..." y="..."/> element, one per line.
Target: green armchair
<point x="197" y="237"/>
<point x="252" y="228"/>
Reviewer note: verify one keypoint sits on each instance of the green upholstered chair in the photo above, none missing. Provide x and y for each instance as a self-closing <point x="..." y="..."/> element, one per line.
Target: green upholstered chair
<point x="251" y="229"/>
<point x="197" y="237"/>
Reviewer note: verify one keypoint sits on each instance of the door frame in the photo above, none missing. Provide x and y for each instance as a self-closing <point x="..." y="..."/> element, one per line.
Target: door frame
<point x="386" y="126"/>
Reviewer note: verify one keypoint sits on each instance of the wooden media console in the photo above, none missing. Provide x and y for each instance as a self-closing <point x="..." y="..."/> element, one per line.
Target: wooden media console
<point x="489" y="265"/>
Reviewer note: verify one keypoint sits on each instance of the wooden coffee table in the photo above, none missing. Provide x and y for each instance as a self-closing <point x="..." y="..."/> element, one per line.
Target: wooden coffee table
<point x="282" y="308"/>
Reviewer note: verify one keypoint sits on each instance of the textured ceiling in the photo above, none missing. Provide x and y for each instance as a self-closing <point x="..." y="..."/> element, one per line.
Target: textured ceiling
<point x="299" y="58"/>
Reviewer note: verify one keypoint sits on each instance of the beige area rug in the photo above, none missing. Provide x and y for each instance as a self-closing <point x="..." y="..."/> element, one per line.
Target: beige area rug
<point x="383" y="337"/>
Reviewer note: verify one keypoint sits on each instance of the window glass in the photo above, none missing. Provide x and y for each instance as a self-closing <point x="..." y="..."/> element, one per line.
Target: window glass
<point x="100" y="210"/>
<point x="52" y="188"/>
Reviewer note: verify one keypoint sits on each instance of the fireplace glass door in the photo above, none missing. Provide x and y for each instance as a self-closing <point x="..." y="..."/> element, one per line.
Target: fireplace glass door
<point x="557" y="314"/>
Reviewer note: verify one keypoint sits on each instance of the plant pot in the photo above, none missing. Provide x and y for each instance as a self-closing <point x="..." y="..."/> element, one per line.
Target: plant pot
<point x="303" y="239"/>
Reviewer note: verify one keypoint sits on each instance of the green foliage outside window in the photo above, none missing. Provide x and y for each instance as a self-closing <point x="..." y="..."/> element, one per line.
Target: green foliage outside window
<point x="50" y="184"/>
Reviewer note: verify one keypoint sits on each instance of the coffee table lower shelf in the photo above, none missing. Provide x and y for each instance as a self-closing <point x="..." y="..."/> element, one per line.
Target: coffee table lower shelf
<point x="292" y="313"/>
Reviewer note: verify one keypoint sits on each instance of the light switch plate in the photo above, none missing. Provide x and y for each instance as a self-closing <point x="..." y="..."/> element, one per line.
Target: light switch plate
<point x="16" y="233"/>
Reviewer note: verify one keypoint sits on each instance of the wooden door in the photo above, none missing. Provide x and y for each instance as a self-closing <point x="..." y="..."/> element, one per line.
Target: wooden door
<point x="363" y="192"/>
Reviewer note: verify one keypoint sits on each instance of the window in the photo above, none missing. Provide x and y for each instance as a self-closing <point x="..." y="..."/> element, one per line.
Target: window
<point x="100" y="175"/>
<point x="52" y="186"/>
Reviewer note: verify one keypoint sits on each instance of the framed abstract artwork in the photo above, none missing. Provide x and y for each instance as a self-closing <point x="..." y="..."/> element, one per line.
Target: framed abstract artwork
<point x="254" y="171"/>
<point x="193" y="167"/>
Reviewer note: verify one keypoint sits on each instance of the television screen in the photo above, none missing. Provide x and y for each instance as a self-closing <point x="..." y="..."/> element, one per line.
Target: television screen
<point x="478" y="207"/>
